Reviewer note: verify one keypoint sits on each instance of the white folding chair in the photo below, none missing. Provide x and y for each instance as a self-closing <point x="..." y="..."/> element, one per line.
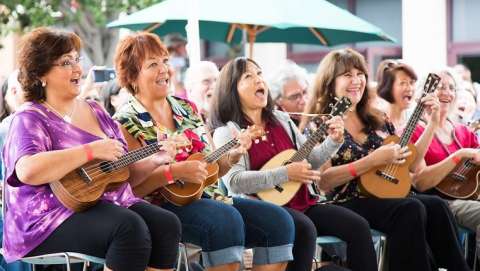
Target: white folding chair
<point x="182" y="257"/>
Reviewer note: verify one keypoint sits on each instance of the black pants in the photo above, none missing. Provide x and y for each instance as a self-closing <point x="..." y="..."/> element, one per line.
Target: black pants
<point x="441" y="222"/>
<point x="411" y="225"/>
<point x="129" y="239"/>
<point x="325" y="219"/>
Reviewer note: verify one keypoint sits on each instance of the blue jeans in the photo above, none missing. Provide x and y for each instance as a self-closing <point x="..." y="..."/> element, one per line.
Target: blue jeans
<point x="223" y="231"/>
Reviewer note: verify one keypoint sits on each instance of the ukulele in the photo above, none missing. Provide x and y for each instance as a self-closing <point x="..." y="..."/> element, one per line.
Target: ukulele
<point x="83" y="187"/>
<point x="180" y="192"/>
<point x="281" y="194"/>
<point x="393" y="180"/>
<point x="462" y="182"/>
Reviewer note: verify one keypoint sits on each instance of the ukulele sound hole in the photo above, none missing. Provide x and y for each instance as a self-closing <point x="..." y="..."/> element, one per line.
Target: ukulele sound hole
<point x="106" y="166"/>
<point x="387" y="177"/>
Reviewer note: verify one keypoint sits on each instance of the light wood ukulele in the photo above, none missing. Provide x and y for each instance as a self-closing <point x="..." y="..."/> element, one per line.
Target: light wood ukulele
<point x="283" y="193"/>
<point x="83" y="187"/>
<point x="393" y="180"/>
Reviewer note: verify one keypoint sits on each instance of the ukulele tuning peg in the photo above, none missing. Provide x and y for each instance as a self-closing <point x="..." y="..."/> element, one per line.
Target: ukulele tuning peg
<point x="256" y="141"/>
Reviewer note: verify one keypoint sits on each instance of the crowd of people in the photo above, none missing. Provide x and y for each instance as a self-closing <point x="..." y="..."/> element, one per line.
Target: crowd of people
<point x="52" y="116"/>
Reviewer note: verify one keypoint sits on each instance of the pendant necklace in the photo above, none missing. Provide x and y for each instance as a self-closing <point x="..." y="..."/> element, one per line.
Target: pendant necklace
<point x="67" y="117"/>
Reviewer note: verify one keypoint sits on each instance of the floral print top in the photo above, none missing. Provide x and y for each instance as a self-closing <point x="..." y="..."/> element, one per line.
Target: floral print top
<point x="139" y="123"/>
<point x="350" y="151"/>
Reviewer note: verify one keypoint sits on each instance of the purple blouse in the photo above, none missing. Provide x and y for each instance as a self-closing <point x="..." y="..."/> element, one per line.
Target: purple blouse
<point x="32" y="213"/>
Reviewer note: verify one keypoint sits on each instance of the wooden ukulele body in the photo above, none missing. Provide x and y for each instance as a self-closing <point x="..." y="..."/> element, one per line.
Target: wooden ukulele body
<point x="461" y="185"/>
<point x="182" y="193"/>
<point x="390" y="181"/>
<point x="282" y="194"/>
<point x="81" y="189"/>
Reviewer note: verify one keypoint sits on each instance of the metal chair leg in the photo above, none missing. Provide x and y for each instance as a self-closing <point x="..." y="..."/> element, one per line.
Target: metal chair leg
<point x="182" y="257"/>
<point x="382" y="252"/>
<point x="185" y="258"/>
<point x="67" y="260"/>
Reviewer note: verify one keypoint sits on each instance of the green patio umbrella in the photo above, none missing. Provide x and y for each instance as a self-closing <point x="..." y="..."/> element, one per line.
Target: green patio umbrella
<point x="289" y="21"/>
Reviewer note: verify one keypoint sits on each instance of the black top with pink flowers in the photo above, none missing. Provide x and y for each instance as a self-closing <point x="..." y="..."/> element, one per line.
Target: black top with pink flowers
<point x="351" y="151"/>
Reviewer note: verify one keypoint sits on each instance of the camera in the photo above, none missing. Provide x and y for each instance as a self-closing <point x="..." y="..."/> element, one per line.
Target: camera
<point x="103" y="75"/>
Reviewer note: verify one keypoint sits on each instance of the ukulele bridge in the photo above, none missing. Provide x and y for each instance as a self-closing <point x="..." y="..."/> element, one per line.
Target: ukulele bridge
<point x="458" y="176"/>
<point x="387" y="177"/>
<point x="84" y="175"/>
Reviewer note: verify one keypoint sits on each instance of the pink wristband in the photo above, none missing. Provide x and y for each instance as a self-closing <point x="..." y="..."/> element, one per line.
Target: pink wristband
<point x="88" y="152"/>
<point x="352" y="170"/>
<point x="456" y="159"/>
<point x="168" y="175"/>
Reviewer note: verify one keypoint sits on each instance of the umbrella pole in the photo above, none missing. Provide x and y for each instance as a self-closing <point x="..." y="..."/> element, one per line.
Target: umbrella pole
<point x="252" y="34"/>
<point x="250" y="52"/>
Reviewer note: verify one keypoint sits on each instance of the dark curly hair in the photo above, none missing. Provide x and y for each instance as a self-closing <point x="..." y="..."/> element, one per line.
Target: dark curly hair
<point x="39" y="50"/>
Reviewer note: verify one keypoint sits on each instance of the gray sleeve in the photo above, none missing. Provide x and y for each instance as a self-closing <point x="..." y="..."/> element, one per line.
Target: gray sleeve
<point x="239" y="179"/>
<point x="322" y="153"/>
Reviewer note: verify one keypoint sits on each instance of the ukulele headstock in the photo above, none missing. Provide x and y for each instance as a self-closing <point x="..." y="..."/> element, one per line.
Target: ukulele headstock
<point x="431" y="83"/>
<point x="341" y="106"/>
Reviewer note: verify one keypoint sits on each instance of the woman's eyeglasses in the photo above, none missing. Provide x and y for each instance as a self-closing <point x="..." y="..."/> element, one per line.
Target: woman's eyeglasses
<point x="296" y="96"/>
<point x="68" y="63"/>
<point x="450" y="87"/>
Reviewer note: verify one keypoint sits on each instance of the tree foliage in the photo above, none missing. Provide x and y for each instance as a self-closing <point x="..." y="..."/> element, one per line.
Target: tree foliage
<point x="87" y="18"/>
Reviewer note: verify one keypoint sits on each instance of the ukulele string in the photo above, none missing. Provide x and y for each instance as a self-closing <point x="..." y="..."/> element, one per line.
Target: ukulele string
<point x="98" y="169"/>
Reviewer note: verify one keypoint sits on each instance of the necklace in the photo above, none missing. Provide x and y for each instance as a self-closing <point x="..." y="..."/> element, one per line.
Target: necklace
<point x="67" y="117"/>
<point x="454" y="140"/>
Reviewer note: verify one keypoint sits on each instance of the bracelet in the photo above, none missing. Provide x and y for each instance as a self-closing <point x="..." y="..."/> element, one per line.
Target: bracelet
<point x="352" y="170"/>
<point x="88" y="152"/>
<point x="168" y="174"/>
<point x="456" y="159"/>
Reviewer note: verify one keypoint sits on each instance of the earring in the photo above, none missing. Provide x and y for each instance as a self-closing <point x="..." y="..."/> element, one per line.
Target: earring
<point x="135" y="89"/>
<point x="44" y="83"/>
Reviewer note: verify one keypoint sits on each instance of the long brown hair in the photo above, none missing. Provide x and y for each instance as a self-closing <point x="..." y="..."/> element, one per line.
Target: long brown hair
<point x="225" y="105"/>
<point x="322" y="93"/>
